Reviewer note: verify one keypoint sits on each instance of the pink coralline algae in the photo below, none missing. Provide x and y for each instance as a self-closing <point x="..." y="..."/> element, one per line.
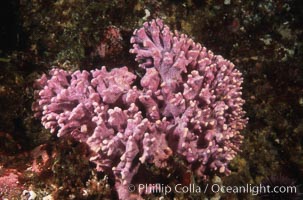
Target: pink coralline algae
<point x="188" y="104"/>
<point x="10" y="188"/>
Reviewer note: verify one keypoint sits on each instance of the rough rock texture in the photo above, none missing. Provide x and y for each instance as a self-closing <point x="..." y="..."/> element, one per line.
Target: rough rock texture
<point x="188" y="104"/>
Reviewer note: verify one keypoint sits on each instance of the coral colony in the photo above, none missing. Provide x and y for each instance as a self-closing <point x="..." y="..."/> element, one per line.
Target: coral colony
<point x="188" y="104"/>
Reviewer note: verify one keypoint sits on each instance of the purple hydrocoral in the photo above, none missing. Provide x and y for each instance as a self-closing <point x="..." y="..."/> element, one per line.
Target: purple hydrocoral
<point x="200" y="94"/>
<point x="189" y="106"/>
